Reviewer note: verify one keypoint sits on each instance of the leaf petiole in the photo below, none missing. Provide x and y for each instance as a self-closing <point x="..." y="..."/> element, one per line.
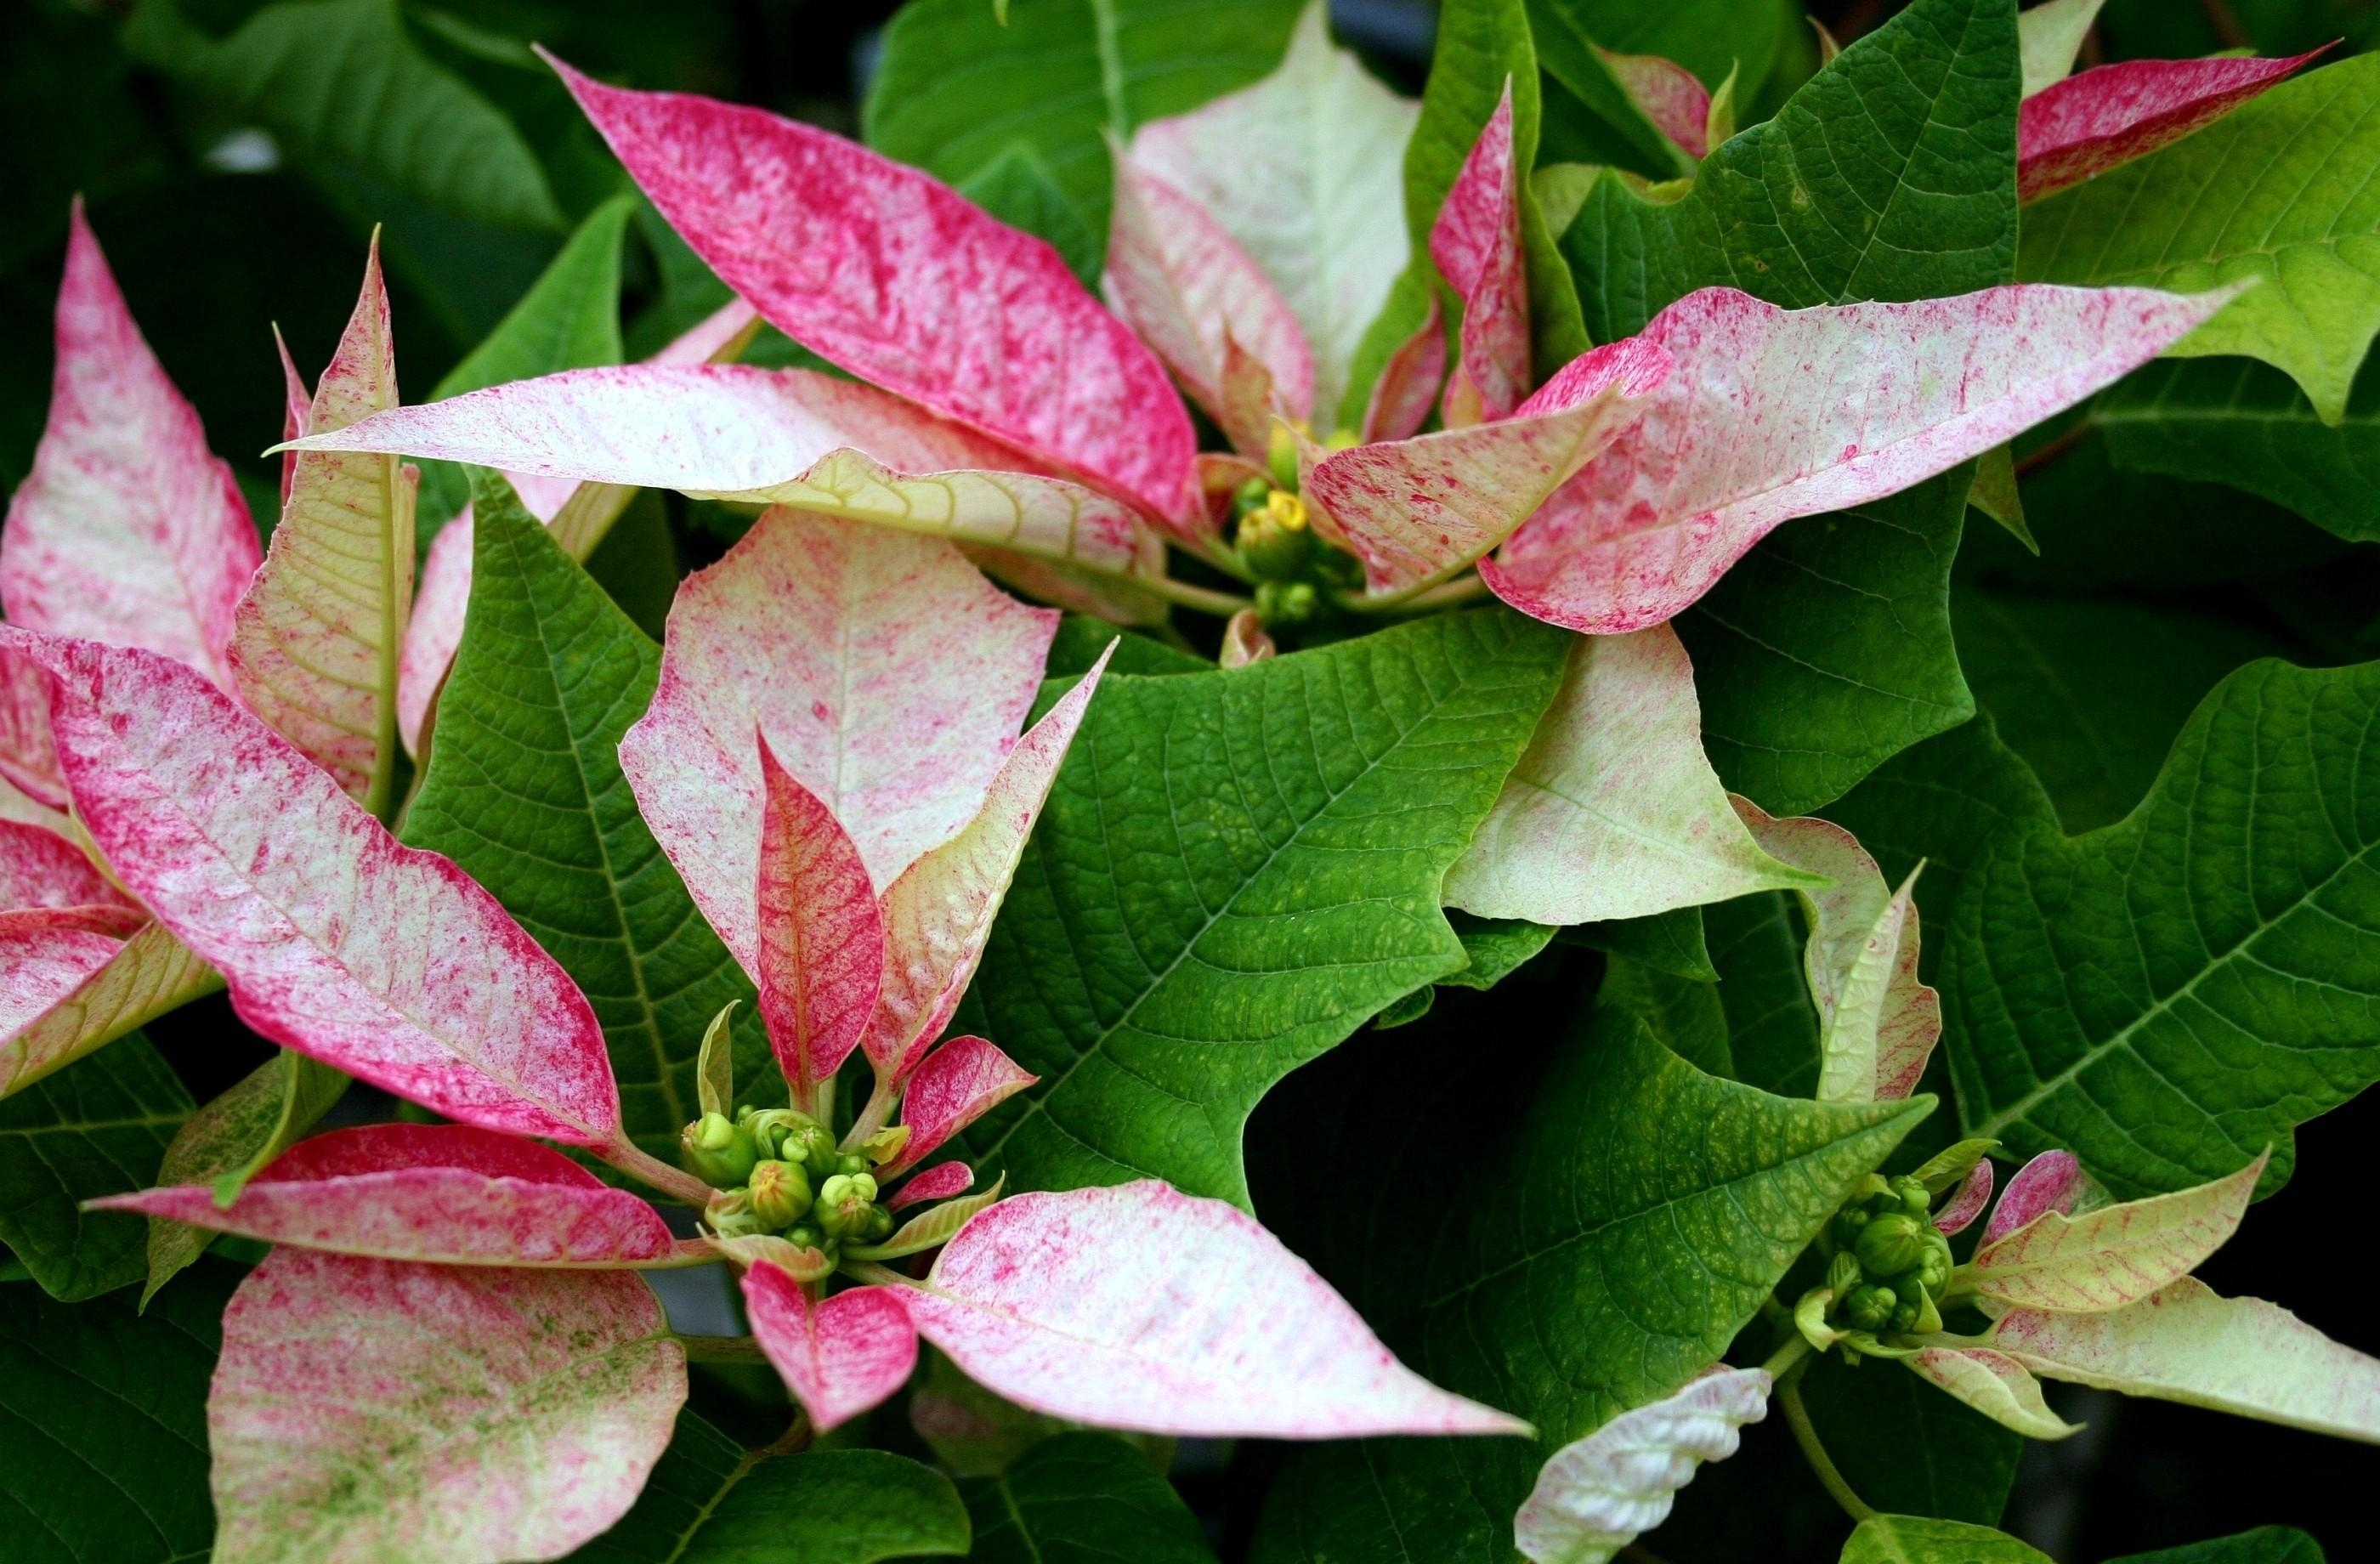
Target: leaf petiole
<point x="1797" y="1417"/>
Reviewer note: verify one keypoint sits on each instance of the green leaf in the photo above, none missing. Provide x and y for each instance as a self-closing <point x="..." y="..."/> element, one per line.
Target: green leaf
<point x="1756" y="944"/>
<point x="2297" y="210"/>
<point x="2237" y="421"/>
<point x="525" y="791"/>
<point x="569" y="320"/>
<point x="957" y="87"/>
<point x="1233" y="872"/>
<point x="1902" y="1539"/>
<point x="1708" y="37"/>
<point x="709" y="1501"/>
<point x="1686" y="1015"/>
<point x="341" y="81"/>
<point x="104" y="1424"/>
<point x="1891" y="174"/>
<point x="1906" y="1447"/>
<point x="1082" y="1499"/>
<point x="2265" y="1545"/>
<point x="1018" y="188"/>
<point x="1497" y="947"/>
<point x="1670" y="942"/>
<point x="1081" y="639"/>
<point x="1827" y="648"/>
<point x="2168" y="996"/>
<point x="98" y="1127"/>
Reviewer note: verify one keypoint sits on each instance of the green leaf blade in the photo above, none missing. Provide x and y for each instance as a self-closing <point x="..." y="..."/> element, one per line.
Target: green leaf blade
<point x="1082" y="1499"/>
<point x="98" y="1127"/>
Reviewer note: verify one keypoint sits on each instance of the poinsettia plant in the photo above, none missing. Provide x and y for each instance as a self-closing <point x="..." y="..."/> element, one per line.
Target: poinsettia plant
<point x="1199" y="560"/>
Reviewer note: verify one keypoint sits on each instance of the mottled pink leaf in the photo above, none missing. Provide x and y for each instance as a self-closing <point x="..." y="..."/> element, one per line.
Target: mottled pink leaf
<point x="1993" y="1384"/>
<point x="2051" y="1182"/>
<point x="375" y="1409"/>
<point x="938" y="1183"/>
<point x="1189" y="289"/>
<point x="900" y="280"/>
<point x="296" y="410"/>
<point x="1408" y="385"/>
<point x="939" y="911"/>
<point x="112" y="918"/>
<point x="1137" y="1306"/>
<point x="839" y="1357"/>
<point x="29" y="758"/>
<point x="2080" y="128"/>
<point x="1974" y="1194"/>
<point x="1416" y="511"/>
<point x="127" y="530"/>
<point x="40" y="868"/>
<point x="822" y="939"/>
<point x="452" y="1193"/>
<point x="1773" y="414"/>
<point x="381" y="960"/>
<point x="137" y="981"/>
<point x="1476" y="244"/>
<point x="959" y="1083"/>
<point x="1668" y="95"/>
<point x="888" y="676"/>
<point x="42" y="962"/>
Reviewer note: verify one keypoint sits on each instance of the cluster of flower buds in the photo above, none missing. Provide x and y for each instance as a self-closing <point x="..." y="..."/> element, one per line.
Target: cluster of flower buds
<point x="1273" y="533"/>
<point x="778" y="1170"/>
<point x="1887" y="1268"/>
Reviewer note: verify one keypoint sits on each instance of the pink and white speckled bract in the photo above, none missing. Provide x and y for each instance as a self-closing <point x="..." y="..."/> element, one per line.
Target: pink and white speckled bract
<point x="900" y="280"/>
<point x="821" y="938"/>
<point x="938" y="1183"/>
<point x="2051" y="1182"/>
<point x="839" y="1357"/>
<point x="1772" y="414"/>
<point x="958" y="1084"/>
<point x="127" y="530"/>
<point x="1408" y="385"/>
<point x="40" y="868"/>
<point x="2074" y="129"/>
<point x="381" y="960"/>
<point x="2115" y="1255"/>
<point x="1136" y="1307"/>
<point x="448" y="1193"/>
<point x="1668" y="95"/>
<point x="888" y="674"/>
<point x="42" y="962"/>
<point x="1967" y="1202"/>
<point x="364" y="1409"/>
<point x="1476" y="244"/>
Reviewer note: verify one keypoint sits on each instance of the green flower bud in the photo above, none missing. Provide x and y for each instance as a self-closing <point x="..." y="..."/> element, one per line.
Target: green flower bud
<point x="842" y="1210"/>
<point x="1845" y="1229"/>
<point x="878" y="1226"/>
<point x="1913" y="1196"/>
<point x="1842" y="1275"/>
<point x="1285" y="603"/>
<point x="717" y="1152"/>
<point x="790" y="1135"/>
<point x="852" y="1163"/>
<point x="1276" y="540"/>
<point x="730" y="1214"/>
<point x="1904" y="1317"/>
<point x="1934" y="1270"/>
<point x="1890" y="1244"/>
<point x="1250" y="496"/>
<point x="1867" y="1307"/>
<point x="781" y="1194"/>
<point x="803" y="1235"/>
<point x="1281" y="458"/>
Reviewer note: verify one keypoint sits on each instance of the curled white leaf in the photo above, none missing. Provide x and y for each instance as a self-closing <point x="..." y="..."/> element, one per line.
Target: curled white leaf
<point x="1598" y="1495"/>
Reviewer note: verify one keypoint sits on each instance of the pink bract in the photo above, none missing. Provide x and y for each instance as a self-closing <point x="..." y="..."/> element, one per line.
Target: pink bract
<point x="959" y="1083"/>
<point x="821" y="937"/>
<point x="1476" y="244"/>
<point x="2074" y="129"/>
<point x="839" y="1357"/>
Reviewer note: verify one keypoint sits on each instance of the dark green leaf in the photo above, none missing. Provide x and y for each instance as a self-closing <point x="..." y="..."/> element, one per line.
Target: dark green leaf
<point x="2170" y="995"/>
<point x="1233" y="872"/>
<point x="1904" y="1539"/>
<point x="1081" y="639"/>
<point x="1082" y="1499"/>
<point x="2265" y="1545"/>
<point x="1708" y="37"/>
<point x="1670" y="942"/>
<point x="1827" y="648"/>
<point x="100" y="1126"/>
<point x="1018" y="189"/>
<point x="1905" y="1447"/>
<point x="104" y="1424"/>
<point x="1686" y="1015"/>
<point x="635" y="563"/>
<point x="1757" y="943"/>
<point x="1889" y="174"/>
<point x="525" y="791"/>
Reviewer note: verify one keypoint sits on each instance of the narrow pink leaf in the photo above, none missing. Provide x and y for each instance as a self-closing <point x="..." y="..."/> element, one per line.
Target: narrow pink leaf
<point x="137" y="981"/>
<point x="41" y="962"/>
<point x="888" y="676"/>
<point x="375" y="1409"/>
<point x="2051" y="1182"/>
<point x="903" y="281"/>
<point x="2080" y="128"/>
<point x="1669" y="95"/>
<point x="840" y="1357"/>
<point x="40" y="868"/>
<point x="127" y="530"/>
<point x="450" y="1193"/>
<point x="958" y="1084"/>
<point x="29" y="756"/>
<point x="1476" y="244"/>
<point x="938" y="1183"/>
<point x="1137" y="1306"/>
<point x="1773" y="414"/>
<point x="1974" y="1194"/>
<point x="1416" y="511"/>
<point x="296" y="410"/>
<point x="381" y="960"/>
<point x="1188" y="288"/>
<point x="822" y="939"/>
<point x="939" y="913"/>
<point x="1408" y="385"/>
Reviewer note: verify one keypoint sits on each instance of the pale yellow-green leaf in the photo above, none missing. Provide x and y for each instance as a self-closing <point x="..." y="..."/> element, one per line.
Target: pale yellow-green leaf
<point x="2115" y="1255"/>
<point x="930" y="1230"/>
<point x="1909" y="1539"/>
<point x="714" y="1074"/>
<point x="152" y="973"/>
<point x="1993" y="1384"/>
<point x="2048" y="36"/>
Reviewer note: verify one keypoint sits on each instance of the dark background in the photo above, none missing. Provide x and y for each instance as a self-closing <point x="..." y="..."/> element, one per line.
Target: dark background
<point x="211" y="255"/>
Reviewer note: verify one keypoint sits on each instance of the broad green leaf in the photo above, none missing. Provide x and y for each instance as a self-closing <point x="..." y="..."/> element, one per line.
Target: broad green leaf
<point x="1905" y="1539"/>
<point x="1495" y="947"/>
<point x="2265" y="1545"/>
<point x="2298" y="214"/>
<point x="1684" y="1013"/>
<point x="711" y="1501"/>
<point x="104" y="1425"/>
<point x="525" y="791"/>
<point x="229" y="1140"/>
<point x="342" y="83"/>
<point x="97" y="1128"/>
<point x="2243" y="423"/>
<point x="1891" y="174"/>
<point x="1709" y="38"/>
<point x="1671" y="942"/>
<point x="2168" y="996"/>
<point x="1827" y="648"/>
<point x="569" y="320"/>
<point x="1232" y="872"/>
<point x="1018" y="188"/>
<point x="976" y="1433"/>
<point x="958" y="86"/>
<point x="1082" y="1499"/>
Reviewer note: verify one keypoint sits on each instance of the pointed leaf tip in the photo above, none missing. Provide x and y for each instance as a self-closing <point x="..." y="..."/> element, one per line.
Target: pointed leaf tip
<point x="821" y="938"/>
<point x="839" y="1357"/>
<point x="2117" y="1255"/>
<point x="2082" y="126"/>
<point x="1476" y="244"/>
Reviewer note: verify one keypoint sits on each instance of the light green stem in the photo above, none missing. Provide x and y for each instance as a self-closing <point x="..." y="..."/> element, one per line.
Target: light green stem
<point x="1797" y="1417"/>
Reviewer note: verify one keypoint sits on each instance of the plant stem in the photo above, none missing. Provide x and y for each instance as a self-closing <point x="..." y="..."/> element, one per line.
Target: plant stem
<point x="1797" y="1417"/>
<point x="658" y="1174"/>
<point x="1443" y="594"/>
<point x="876" y="1275"/>
<point x="873" y="1116"/>
<point x="1206" y="600"/>
<point x="2041" y="456"/>
<point x="722" y="1349"/>
<point x="1783" y="1359"/>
